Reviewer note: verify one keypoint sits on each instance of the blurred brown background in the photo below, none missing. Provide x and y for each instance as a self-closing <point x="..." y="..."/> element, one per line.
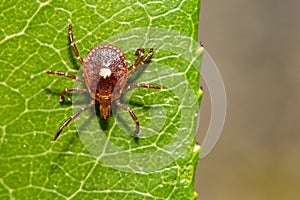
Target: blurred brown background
<point x="256" y="45"/>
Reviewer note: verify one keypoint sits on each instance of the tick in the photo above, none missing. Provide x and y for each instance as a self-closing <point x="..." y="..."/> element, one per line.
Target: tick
<point x="105" y="72"/>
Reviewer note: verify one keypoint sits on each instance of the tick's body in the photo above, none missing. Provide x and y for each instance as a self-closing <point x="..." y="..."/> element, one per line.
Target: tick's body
<point x="105" y="72"/>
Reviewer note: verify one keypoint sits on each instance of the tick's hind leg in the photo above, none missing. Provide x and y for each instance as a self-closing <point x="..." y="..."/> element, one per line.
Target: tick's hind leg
<point x="72" y="118"/>
<point x="66" y="75"/>
<point x="135" y="119"/>
<point x="67" y="90"/>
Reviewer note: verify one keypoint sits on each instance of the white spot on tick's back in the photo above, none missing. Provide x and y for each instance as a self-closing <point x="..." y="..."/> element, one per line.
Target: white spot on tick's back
<point x="105" y="72"/>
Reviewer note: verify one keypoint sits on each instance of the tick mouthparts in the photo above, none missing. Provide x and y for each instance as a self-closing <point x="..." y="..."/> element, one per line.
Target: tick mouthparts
<point x="105" y="72"/>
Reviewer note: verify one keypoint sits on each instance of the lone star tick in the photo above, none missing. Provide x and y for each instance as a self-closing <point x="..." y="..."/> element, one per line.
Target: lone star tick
<point x="105" y="72"/>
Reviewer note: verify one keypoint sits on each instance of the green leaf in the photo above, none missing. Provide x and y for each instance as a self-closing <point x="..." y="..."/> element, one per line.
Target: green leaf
<point x="93" y="158"/>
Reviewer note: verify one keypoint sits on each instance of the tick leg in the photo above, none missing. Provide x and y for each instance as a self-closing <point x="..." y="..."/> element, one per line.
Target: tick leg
<point x="72" y="117"/>
<point x="148" y="56"/>
<point x="65" y="91"/>
<point x="140" y="61"/>
<point x="140" y="85"/>
<point x="66" y="75"/>
<point x="135" y="119"/>
<point x="140" y="52"/>
<point x="73" y="45"/>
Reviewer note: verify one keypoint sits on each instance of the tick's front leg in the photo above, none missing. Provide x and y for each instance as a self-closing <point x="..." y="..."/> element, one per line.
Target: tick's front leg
<point x="73" y="44"/>
<point x="140" y="60"/>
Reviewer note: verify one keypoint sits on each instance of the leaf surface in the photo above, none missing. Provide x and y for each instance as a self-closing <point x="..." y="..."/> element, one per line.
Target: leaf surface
<point x="110" y="164"/>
